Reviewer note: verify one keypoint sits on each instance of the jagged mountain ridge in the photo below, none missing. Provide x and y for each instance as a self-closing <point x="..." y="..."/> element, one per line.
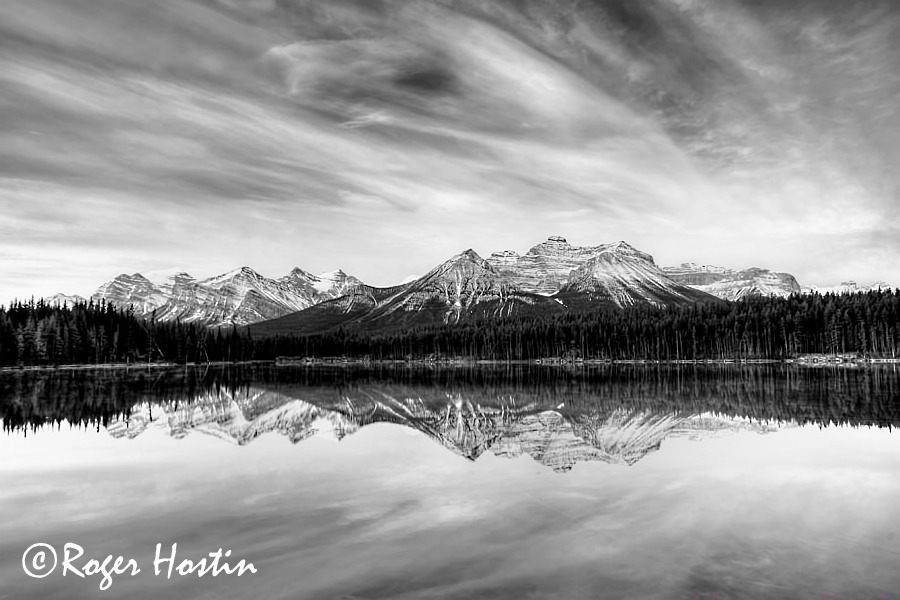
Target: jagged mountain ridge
<point x="734" y="285"/>
<point x="617" y="273"/>
<point x="465" y="287"/>
<point x="239" y="297"/>
<point x="625" y="276"/>
<point x="552" y="277"/>
<point x="554" y="438"/>
<point x="545" y="267"/>
<point x="63" y="299"/>
<point x="846" y="287"/>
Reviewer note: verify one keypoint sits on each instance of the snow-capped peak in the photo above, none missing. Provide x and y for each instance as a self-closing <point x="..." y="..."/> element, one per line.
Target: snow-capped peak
<point x="328" y="280"/>
<point x="332" y="275"/>
<point x="165" y="276"/>
<point x="241" y="273"/>
<point x="504" y="254"/>
<point x="464" y="258"/>
<point x="240" y="296"/>
<point x="63" y="299"/>
<point x="733" y="285"/>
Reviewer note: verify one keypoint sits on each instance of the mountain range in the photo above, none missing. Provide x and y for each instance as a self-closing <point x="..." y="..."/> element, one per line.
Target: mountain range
<point x="734" y="285"/>
<point x="552" y="276"/>
<point x="239" y="297"/>
<point x="846" y="287"/>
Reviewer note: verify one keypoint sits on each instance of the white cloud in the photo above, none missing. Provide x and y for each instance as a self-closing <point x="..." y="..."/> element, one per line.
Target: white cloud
<point x="383" y="142"/>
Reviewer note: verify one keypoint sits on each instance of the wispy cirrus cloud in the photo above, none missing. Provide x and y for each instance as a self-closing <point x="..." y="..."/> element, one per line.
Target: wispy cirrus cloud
<point x="351" y="134"/>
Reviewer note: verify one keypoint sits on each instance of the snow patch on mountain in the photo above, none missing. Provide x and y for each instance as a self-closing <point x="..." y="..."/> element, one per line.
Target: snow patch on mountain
<point x="625" y="275"/>
<point x="165" y="277"/>
<point x="847" y="287"/>
<point x="63" y="300"/>
<point x="616" y="272"/>
<point x="545" y="268"/>
<point x="734" y="285"/>
<point x="454" y="287"/>
<point x="240" y="297"/>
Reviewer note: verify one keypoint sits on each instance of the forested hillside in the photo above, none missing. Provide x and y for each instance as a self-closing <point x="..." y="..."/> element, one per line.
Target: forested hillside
<point x="755" y="327"/>
<point x="36" y="333"/>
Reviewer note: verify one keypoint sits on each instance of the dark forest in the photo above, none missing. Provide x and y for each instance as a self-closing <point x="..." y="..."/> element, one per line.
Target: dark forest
<point x="866" y="324"/>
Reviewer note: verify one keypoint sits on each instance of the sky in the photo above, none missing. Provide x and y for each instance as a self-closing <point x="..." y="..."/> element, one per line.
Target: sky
<point x="382" y="137"/>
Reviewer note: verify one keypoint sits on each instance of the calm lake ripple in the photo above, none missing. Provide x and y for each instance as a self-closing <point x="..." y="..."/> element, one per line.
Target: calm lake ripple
<point x="505" y="481"/>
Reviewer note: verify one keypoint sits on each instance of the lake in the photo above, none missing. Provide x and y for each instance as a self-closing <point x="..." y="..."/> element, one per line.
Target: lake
<point x="458" y="482"/>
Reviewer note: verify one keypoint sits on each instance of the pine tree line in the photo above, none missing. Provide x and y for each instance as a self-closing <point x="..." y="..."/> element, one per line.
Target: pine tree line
<point x="769" y="392"/>
<point x="756" y="327"/>
<point x="37" y="333"/>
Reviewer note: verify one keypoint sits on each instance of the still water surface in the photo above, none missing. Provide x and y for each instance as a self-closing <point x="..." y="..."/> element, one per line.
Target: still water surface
<point x="695" y="481"/>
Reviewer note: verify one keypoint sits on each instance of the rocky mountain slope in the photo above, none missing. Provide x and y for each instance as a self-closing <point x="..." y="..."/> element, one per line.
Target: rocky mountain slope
<point x="625" y="276"/>
<point x="545" y="267"/>
<point x="551" y="276"/>
<point x="733" y="285"/>
<point x="239" y="297"/>
<point x="616" y="273"/>
<point x="465" y="287"/>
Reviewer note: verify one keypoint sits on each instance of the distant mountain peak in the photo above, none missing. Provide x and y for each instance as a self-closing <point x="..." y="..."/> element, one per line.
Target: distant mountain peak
<point x="547" y="267"/>
<point x="332" y="274"/>
<point x="63" y="299"/>
<point x="618" y="246"/>
<point x="505" y="254"/>
<point x="466" y="286"/>
<point x="239" y="272"/>
<point x="471" y="255"/>
<point x="241" y="296"/>
<point x="553" y="244"/>
<point x="847" y="287"/>
<point x="623" y="275"/>
<point x="468" y="256"/>
<point x="622" y="248"/>
<point x="729" y="284"/>
<point x="166" y="276"/>
<point x="297" y="271"/>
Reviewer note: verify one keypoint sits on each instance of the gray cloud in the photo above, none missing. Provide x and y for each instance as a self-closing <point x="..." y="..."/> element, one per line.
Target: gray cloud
<point x="350" y="134"/>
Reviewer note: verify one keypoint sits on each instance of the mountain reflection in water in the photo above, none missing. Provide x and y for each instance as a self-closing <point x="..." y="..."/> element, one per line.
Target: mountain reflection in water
<point x="558" y="416"/>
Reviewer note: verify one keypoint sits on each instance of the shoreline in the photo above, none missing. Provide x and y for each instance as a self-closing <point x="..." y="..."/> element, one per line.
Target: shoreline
<point x="802" y="360"/>
<point x="811" y="360"/>
<point x="126" y="366"/>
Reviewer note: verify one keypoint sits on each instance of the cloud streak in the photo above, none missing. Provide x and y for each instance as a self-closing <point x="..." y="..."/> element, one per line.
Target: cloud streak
<point x="210" y="134"/>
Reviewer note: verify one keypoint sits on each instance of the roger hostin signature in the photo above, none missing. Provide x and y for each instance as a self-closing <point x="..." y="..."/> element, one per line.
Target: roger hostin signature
<point x="40" y="560"/>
